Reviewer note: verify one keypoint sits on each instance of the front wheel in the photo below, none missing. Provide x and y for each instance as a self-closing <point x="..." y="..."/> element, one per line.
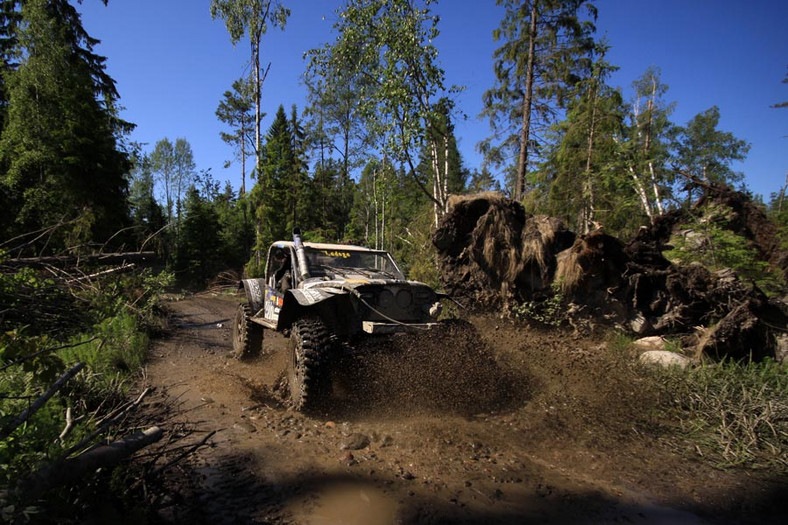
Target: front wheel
<point x="306" y="372"/>
<point x="247" y="335"/>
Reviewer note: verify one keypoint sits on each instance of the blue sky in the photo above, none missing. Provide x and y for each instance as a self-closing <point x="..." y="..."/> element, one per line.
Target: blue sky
<point x="172" y="63"/>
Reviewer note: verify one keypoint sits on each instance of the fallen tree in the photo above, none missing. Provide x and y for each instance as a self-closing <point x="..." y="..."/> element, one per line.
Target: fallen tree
<point x="494" y="255"/>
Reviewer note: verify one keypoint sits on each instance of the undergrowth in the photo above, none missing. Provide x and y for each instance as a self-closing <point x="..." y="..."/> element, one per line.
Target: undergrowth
<point x="103" y="323"/>
<point x="736" y="414"/>
<point x="550" y="311"/>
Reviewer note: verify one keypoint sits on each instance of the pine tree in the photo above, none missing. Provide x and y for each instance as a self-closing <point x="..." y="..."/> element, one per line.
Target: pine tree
<point x="251" y="18"/>
<point x="235" y="110"/>
<point x="199" y="254"/>
<point x="585" y="183"/>
<point x="545" y="50"/>
<point x="147" y="215"/>
<point x="705" y="153"/>
<point x="275" y="207"/>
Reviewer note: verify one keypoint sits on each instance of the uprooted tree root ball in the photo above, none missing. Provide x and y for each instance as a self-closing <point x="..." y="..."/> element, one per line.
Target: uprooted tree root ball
<point x="493" y="254"/>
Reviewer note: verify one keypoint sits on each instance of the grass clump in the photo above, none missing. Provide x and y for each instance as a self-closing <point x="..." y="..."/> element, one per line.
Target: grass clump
<point x="736" y="414"/>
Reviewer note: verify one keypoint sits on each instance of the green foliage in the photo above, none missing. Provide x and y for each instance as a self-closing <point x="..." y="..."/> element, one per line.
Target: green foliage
<point x="736" y="414"/>
<point x="147" y="215"/>
<point x="583" y="177"/>
<point x="110" y="338"/>
<point x="710" y="241"/>
<point x="706" y="153"/>
<point x="34" y="442"/>
<point x="61" y="146"/>
<point x="385" y="50"/>
<point x="544" y="51"/>
<point x="235" y="110"/>
<point x="277" y="198"/>
<point x="548" y="311"/>
<point x="199" y="245"/>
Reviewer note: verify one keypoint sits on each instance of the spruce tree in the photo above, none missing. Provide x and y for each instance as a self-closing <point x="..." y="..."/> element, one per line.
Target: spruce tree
<point x="61" y="147"/>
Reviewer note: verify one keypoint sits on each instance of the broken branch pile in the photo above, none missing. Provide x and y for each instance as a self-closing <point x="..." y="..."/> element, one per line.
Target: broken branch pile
<point x="494" y="255"/>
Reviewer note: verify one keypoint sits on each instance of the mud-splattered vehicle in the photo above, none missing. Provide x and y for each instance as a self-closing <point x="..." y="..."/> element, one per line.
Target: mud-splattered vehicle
<point x="324" y="295"/>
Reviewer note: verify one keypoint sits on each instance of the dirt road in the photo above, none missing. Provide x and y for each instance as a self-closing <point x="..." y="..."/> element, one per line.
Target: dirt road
<point x="504" y="425"/>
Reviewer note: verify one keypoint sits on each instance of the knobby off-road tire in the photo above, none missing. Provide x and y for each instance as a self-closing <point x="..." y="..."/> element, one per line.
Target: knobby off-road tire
<point x="247" y="336"/>
<point x="307" y="373"/>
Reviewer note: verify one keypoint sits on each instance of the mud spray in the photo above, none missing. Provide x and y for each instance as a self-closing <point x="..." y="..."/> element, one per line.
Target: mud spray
<point x="447" y="370"/>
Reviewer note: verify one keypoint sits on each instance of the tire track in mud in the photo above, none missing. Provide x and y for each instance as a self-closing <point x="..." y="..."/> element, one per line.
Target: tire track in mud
<point x="452" y="429"/>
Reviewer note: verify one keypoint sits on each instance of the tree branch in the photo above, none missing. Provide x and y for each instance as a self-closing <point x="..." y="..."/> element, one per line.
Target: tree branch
<point x="38" y="403"/>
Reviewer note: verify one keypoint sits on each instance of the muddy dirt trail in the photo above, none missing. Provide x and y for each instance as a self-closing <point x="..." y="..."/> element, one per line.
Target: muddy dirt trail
<point x="496" y="424"/>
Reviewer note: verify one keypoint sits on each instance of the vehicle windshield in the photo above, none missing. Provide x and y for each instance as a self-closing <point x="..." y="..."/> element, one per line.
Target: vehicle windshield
<point x="352" y="259"/>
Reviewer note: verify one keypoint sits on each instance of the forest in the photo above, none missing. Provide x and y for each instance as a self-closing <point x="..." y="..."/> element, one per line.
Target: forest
<point x="373" y="159"/>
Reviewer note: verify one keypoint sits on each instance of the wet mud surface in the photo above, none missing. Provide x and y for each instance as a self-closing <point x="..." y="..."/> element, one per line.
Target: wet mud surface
<point x="481" y="422"/>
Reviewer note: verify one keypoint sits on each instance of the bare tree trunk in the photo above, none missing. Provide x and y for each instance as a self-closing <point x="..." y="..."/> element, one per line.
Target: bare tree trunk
<point x="525" y="134"/>
<point x="375" y="201"/>
<point x="445" y="194"/>
<point x="255" y="40"/>
<point x="641" y="192"/>
<point x="588" y="190"/>
<point x="655" y="187"/>
<point x="71" y="469"/>
<point x="436" y="184"/>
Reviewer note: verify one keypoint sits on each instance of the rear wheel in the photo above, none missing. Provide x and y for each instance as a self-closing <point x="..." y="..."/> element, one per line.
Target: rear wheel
<point x="306" y="373"/>
<point x="247" y="335"/>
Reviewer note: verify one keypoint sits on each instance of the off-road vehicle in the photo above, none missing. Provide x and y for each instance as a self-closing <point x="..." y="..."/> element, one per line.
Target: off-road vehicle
<point x="323" y="296"/>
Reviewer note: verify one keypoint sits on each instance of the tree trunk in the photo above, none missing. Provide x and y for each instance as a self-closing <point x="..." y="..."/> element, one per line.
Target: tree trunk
<point x="445" y="195"/>
<point x="588" y="190"/>
<point x="436" y="182"/>
<point x="525" y="134"/>
<point x="255" y="40"/>
<point x="641" y="192"/>
<point x="655" y="187"/>
<point x="71" y="469"/>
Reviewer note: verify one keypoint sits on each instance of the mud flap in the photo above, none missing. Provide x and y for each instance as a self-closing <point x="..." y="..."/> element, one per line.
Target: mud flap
<point x="298" y="301"/>
<point x="255" y="293"/>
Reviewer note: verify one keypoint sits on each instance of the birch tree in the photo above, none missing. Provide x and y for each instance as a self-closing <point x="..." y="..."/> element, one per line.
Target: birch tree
<point x="251" y="19"/>
<point x="647" y="143"/>
<point x="386" y="47"/>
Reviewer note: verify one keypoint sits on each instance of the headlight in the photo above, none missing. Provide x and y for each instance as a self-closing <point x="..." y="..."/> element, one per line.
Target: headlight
<point x="435" y="310"/>
<point x="404" y="298"/>
<point x="385" y="298"/>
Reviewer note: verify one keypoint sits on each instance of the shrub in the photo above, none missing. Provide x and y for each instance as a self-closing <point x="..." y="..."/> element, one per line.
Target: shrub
<point x="711" y="242"/>
<point x="550" y="311"/>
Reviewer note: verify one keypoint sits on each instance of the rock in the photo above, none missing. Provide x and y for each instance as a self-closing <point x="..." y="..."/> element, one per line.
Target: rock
<point x="355" y="441"/>
<point x="246" y="425"/>
<point x="348" y="459"/>
<point x="639" y="325"/>
<point x="664" y="358"/>
<point x="387" y="441"/>
<point x="655" y="342"/>
<point x="781" y="348"/>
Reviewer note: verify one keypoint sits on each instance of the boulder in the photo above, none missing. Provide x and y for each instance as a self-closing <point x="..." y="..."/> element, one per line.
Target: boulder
<point x="664" y="359"/>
